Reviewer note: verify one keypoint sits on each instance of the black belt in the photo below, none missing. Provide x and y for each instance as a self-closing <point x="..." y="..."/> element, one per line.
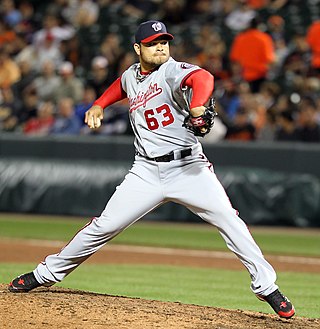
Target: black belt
<point x="170" y="156"/>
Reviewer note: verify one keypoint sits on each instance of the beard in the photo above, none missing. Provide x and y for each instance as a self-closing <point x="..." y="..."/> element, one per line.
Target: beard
<point x="152" y="61"/>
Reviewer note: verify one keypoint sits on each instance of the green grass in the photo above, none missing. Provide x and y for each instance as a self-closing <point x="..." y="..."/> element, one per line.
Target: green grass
<point x="210" y="287"/>
<point x="202" y="236"/>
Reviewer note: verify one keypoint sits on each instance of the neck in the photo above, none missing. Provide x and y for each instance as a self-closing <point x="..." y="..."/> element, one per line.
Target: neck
<point x="145" y="68"/>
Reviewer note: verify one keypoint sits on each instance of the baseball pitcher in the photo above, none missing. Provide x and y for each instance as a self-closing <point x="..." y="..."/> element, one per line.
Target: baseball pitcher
<point x="170" y="106"/>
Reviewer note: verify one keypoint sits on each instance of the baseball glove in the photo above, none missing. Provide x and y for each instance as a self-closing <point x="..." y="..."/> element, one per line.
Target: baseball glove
<point x="201" y="125"/>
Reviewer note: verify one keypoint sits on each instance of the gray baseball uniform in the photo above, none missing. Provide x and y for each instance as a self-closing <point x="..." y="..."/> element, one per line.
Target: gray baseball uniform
<point x="158" y="106"/>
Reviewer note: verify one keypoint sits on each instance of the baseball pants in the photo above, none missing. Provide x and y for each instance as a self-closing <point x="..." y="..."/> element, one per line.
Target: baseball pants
<point x="190" y="182"/>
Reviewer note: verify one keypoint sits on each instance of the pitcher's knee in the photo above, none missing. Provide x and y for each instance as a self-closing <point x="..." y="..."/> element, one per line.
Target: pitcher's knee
<point x="106" y="227"/>
<point x="224" y="216"/>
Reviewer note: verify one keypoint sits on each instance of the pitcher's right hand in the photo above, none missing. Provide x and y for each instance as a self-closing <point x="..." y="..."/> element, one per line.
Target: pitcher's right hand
<point x="94" y="116"/>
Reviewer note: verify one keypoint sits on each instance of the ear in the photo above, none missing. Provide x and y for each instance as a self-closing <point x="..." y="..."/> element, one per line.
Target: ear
<point x="136" y="47"/>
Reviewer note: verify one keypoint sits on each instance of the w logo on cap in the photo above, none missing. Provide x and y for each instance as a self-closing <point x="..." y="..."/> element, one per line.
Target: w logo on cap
<point x="157" y="26"/>
<point x="150" y="30"/>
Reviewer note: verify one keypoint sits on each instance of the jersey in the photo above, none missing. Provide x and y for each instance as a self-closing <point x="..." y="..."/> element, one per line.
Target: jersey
<point x="158" y="105"/>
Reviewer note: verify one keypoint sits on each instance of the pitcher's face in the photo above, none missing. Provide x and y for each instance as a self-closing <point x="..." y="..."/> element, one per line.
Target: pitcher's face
<point x="152" y="54"/>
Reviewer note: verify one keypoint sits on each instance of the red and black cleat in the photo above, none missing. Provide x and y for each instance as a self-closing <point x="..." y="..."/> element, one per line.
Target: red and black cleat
<point x="280" y="303"/>
<point x="24" y="283"/>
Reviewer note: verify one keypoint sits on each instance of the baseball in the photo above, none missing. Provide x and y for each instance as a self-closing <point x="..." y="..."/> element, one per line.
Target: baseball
<point x="95" y="123"/>
<point x="98" y="123"/>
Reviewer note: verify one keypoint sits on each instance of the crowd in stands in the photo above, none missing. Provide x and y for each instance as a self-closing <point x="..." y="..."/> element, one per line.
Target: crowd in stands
<point x="57" y="57"/>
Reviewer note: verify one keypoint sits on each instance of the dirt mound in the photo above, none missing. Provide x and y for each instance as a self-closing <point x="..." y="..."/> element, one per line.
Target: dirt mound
<point x="65" y="308"/>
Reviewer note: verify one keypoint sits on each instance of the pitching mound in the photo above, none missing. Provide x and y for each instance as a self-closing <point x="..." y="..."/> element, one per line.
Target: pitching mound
<point x="65" y="308"/>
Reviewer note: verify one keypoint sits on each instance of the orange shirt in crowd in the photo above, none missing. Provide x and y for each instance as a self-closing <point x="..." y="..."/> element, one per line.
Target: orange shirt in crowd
<point x="9" y="72"/>
<point x="7" y="36"/>
<point x="313" y="39"/>
<point x="254" y="51"/>
<point x="257" y="4"/>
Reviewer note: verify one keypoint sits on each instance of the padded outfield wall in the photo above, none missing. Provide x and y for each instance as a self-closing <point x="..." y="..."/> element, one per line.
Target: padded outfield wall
<point x="269" y="183"/>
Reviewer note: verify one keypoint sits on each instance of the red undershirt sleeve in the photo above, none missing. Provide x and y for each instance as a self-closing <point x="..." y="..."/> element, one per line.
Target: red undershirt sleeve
<point x="113" y="94"/>
<point x="202" y="84"/>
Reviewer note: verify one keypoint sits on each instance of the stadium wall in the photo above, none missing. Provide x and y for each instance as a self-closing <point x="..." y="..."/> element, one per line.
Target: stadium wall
<point x="269" y="183"/>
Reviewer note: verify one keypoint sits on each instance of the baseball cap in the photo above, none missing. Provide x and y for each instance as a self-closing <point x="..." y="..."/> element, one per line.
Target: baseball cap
<point x="99" y="62"/>
<point x="151" y="30"/>
<point x="66" y="68"/>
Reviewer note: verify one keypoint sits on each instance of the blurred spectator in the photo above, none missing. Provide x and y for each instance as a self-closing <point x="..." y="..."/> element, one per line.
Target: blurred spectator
<point x="42" y="123"/>
<point x="7" y="34"/>
<point x="286" y="131"/>
<point x="71" y="51"/>
<point x="313" y="39"/>
<point x="317" y="102"/>
<point x="27" y="77"/>
<point x="54" y="29"/>
<point x="89" y="96"/>
<point x="46" y="82"/>
<point x="267" y="133"/>
<point x="229" y="98"/>
<point x="17" y="46"/>
<point x="241" y="129"/>
<point x="308" y="128"/>
<point x="44" y="50"/>
<point x="282" y="103"/>
<point x="271" y="5"/>
<point x="69" y="85"/>
<point x="240" y="18"/>
<point x="269" y="93"/>
<point x="10" y="124"/>
<point x="28" y="22"/>
<point x="296" y="64"/>
<point x="311" y="87"/>
<point x="281" y="52"/>
<point x="46" y="41"/>
<point x="66" y="122"/>
<point x="256" y="110"/>
<point x="48" y="48"/>
<point x="138" y="10"/>
<point x="223" y="9"/>
<point x="9" y="70"/>
<point x="276" y="27"/>
<point x="257" y="4"/>
<point x="82" y="12"/>
<point x="10" y="13"/>
<point x="59" y="8"/>
<point x="8" y="109"/>
<point x="172" y="11"/>
<point x="112" y="50"/>
<point x="28" y="106"/>
<point x="99" y="76"/>
<point x="125" y="61"/>
<point x="212" y="51"/>
<point x="199" y="11"/>
<point x="253" y="50"/>
<point x="275" y="5"/>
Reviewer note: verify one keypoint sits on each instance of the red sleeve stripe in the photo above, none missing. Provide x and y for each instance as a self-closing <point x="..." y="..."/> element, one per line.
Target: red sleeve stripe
<point x="202" y="84"/>
<point x="113" y="94"/>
